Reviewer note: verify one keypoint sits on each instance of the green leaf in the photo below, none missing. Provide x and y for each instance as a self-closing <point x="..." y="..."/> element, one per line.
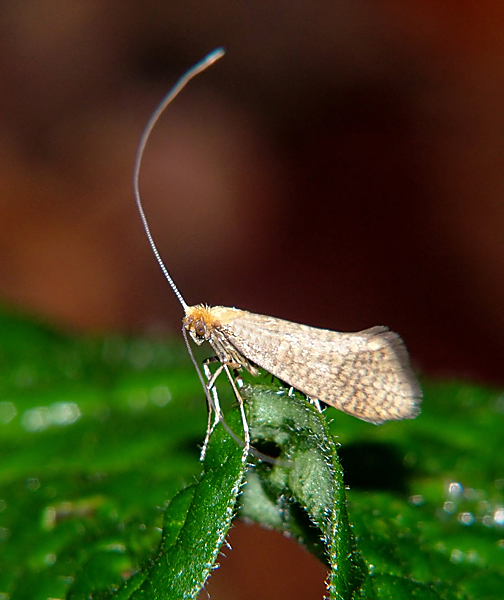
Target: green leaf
<point x="195" y="526"/>
<point x="101" y="487"/>
<point x="308" y="476"/>
<point x="439" y="519"/>
<point x="95" y="436"/>
<point x="427" y="507"/>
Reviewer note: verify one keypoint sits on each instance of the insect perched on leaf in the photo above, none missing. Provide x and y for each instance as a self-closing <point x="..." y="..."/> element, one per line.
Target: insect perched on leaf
<point x="365" y="374"/>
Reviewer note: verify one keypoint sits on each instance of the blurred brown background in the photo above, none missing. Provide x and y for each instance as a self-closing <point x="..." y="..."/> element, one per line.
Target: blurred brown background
<point x="342" y="166"/>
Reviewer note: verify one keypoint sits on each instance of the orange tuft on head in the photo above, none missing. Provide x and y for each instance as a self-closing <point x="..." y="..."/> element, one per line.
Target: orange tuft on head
<point x="197" y="312"/>
<point x="199" y="322"/>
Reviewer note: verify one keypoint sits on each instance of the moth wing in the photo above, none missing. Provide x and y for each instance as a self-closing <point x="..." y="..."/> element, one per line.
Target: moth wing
<point x="366" y="374"/>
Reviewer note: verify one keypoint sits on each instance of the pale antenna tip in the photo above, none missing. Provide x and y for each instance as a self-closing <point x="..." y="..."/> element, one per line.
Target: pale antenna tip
<point x="215" y="55"/>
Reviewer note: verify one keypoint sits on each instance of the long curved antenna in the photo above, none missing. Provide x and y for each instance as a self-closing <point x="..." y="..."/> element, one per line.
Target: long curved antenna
<point x="176" y="89"/>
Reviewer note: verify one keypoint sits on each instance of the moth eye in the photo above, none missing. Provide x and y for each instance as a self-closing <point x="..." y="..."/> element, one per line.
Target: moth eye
<point x="200" y="329"/>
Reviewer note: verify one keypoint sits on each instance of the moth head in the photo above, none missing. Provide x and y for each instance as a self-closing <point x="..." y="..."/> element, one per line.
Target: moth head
<point x="199" y="323"/>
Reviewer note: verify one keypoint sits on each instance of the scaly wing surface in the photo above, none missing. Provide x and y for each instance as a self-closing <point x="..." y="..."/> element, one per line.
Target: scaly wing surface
<point x="366" y="374"/>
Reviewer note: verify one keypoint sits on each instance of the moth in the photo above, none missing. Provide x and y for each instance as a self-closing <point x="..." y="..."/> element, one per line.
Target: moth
<point x="365" y="374"/>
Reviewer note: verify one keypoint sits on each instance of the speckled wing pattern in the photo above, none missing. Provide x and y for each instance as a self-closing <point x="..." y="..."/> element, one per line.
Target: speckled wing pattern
<point x="366" y="374"/>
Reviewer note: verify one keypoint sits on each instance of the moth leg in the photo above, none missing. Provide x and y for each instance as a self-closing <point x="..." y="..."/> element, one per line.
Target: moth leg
<point x="315" y="403"/>
<point x="211" y="377"/>
<point x="236" y="374"/>
<point x="234" y="385"/>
